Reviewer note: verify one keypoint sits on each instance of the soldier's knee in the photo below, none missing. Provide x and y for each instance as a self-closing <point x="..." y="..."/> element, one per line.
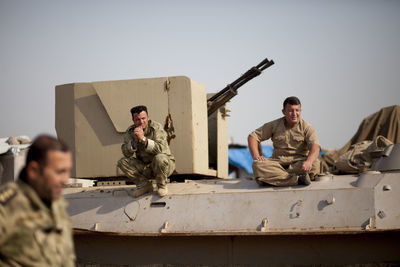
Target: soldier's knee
<point x="160" y="163"/>
<point x="260" y="164"/>
<point x="161" y="159"/>
<point x="122" y="162"/>
<point x="124" y="165"/>
<point x="315" y="169"/>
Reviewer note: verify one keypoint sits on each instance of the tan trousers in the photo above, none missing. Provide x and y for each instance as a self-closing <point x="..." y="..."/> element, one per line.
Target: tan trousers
<point x="272" y="172"/>
<point x="159" y="169"/>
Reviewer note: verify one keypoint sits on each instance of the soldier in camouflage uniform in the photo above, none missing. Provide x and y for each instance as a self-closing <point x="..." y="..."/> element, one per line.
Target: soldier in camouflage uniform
<point x="146" y="154"/>
<point x="296" y="149"/>
<point x="35" y="229"/>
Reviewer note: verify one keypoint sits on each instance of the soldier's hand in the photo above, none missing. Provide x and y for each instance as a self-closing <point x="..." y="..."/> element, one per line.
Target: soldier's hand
<point x="138" y="132"/>
<point x="306" y="166"/>
<point x="260" y="158"/>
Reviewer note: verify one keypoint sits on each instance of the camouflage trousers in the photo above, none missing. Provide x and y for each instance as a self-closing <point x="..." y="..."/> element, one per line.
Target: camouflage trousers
<point x="273" y="172"/>
<point x="140" y="173"/>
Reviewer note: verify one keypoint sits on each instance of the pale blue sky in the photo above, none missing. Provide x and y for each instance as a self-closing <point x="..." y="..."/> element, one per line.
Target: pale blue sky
<point x="341" y="58"/>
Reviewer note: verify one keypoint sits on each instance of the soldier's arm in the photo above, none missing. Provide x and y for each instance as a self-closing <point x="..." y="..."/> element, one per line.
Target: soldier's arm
<point x="256" y="137"/>
<point x="3" y="230"/>
<point x="312" y="156"/>
<point x="314" y="152"/>
<point x="253" y="147"/>
<point x="128" y="148"/>
<point x="312" y="140"/>
<point x="159" y="143"/>
<point x="5" y="224"/>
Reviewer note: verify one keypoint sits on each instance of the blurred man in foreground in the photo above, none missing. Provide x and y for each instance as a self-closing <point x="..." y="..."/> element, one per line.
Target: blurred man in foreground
<point x="35" y="229"/>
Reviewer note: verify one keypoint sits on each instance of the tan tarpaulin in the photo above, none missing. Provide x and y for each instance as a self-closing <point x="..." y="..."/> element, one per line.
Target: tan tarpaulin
<point x="385" y="122"/>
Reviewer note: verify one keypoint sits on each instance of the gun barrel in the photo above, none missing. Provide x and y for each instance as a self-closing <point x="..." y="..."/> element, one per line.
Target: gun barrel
<point x="223" y="96"/>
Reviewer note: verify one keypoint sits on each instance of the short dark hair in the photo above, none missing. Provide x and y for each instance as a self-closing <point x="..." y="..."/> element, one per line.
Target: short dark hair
<point x="291" y="100"/>
<point x="41" y="145"/>
<point x="138" y="109"/>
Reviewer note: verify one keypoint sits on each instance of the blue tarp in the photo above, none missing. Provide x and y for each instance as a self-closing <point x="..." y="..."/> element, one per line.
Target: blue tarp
<point x="241" y="157"/>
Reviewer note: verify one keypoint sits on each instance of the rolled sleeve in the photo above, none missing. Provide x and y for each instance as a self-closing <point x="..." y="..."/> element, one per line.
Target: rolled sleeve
<point x="150" y="146"/>
<point x="264" y="132"/>
<point x="255" y="135"/>
<point x="311" y="137"/>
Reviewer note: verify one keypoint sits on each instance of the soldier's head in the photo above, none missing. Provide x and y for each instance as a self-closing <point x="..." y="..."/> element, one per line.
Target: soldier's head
<point x="48" y="167"/>
<point x="291" y="110"/>
<point x="140" y="117"/>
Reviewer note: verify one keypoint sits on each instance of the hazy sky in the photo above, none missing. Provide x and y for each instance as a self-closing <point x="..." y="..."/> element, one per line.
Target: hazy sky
<point x="341" y="58"/>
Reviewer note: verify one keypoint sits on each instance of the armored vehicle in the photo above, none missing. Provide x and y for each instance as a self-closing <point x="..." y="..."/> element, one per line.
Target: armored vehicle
<point x="206" y="219"/>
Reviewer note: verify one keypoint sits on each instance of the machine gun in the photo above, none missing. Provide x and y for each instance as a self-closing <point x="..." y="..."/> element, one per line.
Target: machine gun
<point x="223" y="96"/>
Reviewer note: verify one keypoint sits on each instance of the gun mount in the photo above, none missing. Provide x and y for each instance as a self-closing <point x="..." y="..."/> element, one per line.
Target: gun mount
<point x="92" y="118"/>
<point x="337" y="220"/>
<point x="223" y="96"/>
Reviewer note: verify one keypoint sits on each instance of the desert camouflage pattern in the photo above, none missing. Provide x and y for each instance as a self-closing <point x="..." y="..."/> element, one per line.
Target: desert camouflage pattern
<point x="32" y="234"/>
<point x="154" y="161"/>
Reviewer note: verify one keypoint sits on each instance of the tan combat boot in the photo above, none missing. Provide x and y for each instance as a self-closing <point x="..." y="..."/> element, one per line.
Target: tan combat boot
<point x="162" y="190"/>
<point x="147" y="188"/>
<point x="304" y="179"/>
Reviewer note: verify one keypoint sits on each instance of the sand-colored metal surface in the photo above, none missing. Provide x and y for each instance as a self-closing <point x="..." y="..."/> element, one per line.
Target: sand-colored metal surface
<point x="355" y="203"/>
<point x="92" y="117"/>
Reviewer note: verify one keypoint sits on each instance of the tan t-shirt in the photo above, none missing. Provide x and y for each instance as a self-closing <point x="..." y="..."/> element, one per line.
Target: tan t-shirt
<point x="290" y="144"/>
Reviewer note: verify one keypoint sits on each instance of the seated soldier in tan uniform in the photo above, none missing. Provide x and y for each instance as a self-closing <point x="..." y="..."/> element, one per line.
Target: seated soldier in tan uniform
<point x="146" y="154"/>
<point x="296" y="149"/>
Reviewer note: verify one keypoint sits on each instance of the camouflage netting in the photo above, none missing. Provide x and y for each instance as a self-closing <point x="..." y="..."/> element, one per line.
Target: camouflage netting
<point x="379" y="129"/>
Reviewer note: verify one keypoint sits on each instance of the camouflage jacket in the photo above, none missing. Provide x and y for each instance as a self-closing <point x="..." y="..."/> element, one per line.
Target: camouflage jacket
<point x="31" y="234"/>
<point x="156" y="143"/>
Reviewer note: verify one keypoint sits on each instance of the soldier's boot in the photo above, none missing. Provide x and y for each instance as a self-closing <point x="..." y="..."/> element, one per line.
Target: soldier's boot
<point x="161" y="166"/>
<point x="141" y="190"/>
<point x="259" y="182"/>
<point x="304" y="179"/>
<point x="162" y="190"/>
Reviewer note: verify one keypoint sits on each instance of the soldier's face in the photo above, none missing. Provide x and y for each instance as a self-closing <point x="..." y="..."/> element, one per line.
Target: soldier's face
<point x="49" y="181"/>
<point x="141" y="119"/>
<point x="292" y="114"/>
